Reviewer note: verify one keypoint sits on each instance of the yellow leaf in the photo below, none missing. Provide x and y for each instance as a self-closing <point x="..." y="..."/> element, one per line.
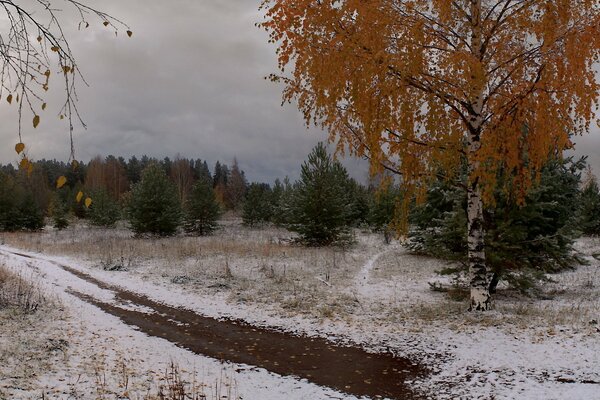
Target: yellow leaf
<point x="19" y="147"/>
<point x="39" y="38"/>
<point x="36" y="121"/>
<point x="105" y="23"/>
<point x="79" y="196"/>
<point x="47" y="73"/>
<point x="74" y="164"/>
<point x="9" y="98"/>
<point x="129" y="33"/>
<point x="62" y="116"/>
<point x="24" y="164"/>
<point x="88" y="202"/>
<point x="54" y="48"/>
<point x="29" y="169"/>
<point x="66" y="69"/>
<point x="44" y="106"/>
<point x="60" y="182"/>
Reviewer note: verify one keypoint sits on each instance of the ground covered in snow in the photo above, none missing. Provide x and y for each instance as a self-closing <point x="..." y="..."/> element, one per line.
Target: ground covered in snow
<point x="374" y="295"/>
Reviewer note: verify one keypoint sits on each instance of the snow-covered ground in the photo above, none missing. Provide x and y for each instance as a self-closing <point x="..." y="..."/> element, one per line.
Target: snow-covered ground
<point x="373" y="295"/>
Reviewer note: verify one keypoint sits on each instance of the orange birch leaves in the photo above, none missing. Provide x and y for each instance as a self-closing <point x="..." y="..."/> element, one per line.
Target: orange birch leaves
<point x="395" y="80"/>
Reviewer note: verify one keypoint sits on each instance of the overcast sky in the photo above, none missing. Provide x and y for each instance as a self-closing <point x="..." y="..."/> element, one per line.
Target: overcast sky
<point x="190" y="82"/>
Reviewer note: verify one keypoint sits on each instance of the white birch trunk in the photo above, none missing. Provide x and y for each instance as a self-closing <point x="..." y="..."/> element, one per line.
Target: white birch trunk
<point x="480" y="295"/>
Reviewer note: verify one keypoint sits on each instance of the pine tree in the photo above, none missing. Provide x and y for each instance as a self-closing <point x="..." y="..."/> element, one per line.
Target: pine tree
<point x="31" y="217"/>
<point x="235" y="188"/>
<point x="104" y="211"/>
<point x="18" y="209"/>
<point x="8" y="204"/>
<point x="320" y="210"/>
<point x="202" y="209"/>
<point x="154" y="206"/>
<point x="58" y="210"/>
<point x="283" y="202"/>
<point x="524" y="241"/>
<point x="382" y="209"/>
<point x="358" y="202"/>
<point x="589" y="212"/>
<point x="258" y="206"/>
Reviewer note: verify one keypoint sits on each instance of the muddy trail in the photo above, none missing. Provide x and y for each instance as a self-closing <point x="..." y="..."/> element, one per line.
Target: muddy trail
<point x="348" y="369"/>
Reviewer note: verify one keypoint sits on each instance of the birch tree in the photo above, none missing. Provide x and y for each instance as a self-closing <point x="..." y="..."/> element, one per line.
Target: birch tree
<point x="420" y="86"/>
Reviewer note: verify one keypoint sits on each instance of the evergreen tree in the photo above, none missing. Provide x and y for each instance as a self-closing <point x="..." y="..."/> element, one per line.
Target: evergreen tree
<point x="18" y="209"/>
<point x="258" y="206"/>
<point x="201" y="171"/>
<point x="320" y="210"/>
<point x="358" y="196"/>
<point x="9" y="214"/>
<point x="283" y="202"/>
<point x="202" y="209"/>
<point x="589" y="213"/>
<point x="382" y="208"/>
<point x="58" y="211"/>
<point x="236" y="187"/>
<point x="154" y="207"/>
<point x="524" y="241"/>
<point x="133" y="170"/>
<point x="31" y="217"/>
<point x="104" y="211"/>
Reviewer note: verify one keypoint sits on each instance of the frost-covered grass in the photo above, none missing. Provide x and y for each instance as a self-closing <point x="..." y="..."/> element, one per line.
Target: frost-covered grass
<point x="46" y="353"/>
<point x="372" y="294"/>
<point x="248" y="265"/>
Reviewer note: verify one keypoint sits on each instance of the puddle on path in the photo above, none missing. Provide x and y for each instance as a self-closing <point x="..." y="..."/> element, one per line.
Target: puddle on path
<point x="348" y="369"/>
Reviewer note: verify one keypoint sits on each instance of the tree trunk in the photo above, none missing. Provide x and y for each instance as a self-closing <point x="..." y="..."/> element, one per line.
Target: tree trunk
<point x="480" y="295"/>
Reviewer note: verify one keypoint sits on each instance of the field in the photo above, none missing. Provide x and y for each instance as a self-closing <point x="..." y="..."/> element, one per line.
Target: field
<point x="371" y="295"/>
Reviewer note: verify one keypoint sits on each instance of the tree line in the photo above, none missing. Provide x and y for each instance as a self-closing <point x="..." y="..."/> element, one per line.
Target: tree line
<point x="164" y="196"/>
<point x="526" y="239"/>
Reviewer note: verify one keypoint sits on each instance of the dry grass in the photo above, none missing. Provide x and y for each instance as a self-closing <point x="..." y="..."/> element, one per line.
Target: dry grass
<point x="20" y="293"/>
<point x="125" y="381"/>
<point x="247" y="265"/>
<point x="259" y="266"/>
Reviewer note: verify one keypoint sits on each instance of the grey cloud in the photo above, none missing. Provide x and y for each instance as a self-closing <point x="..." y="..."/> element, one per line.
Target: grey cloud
<point x="190" y="82"/>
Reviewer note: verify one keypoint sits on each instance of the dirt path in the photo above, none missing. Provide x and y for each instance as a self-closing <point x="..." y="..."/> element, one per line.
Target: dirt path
<point x="347" y="369"/>
<point x="361" y="282"/>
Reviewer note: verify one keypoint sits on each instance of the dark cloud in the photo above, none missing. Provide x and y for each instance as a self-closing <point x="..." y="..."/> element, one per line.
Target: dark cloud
<point x="190" y="82"/>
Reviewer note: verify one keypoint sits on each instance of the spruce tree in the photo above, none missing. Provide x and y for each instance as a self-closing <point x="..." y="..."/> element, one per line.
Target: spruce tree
<point x="320" y="207"/>
<point x="202" y="209"/>
<point x="154" y="207"/>
<point x="258" y="206"/>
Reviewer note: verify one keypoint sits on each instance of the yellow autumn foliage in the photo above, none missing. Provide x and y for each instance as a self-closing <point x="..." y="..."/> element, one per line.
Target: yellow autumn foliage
<point x="407" y="82"/>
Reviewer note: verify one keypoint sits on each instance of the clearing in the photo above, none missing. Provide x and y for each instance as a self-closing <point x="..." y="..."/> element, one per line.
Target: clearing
<point x="135" y="316"/>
